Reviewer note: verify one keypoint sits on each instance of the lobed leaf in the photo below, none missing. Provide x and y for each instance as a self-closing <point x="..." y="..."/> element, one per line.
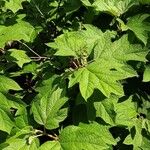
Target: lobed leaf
<point x="86" y="136"/>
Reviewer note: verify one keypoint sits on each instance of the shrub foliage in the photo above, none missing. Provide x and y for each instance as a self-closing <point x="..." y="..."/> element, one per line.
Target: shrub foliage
<point x="74" y="74"/>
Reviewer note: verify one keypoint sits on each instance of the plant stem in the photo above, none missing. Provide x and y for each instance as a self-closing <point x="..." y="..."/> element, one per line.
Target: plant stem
<point x="38" y="9"/>
<point x="53" y="137"/>
<point x="30" y="49"/>
<point x="42" y="133"/>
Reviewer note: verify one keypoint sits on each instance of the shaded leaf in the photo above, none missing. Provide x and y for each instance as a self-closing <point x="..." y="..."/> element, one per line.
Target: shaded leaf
<point x="139" y="26"/>
<point x="105" y="110"/>
<point x="20" y="31"/>
<point x="7" y="84"/>
<point x="18" y="56"/>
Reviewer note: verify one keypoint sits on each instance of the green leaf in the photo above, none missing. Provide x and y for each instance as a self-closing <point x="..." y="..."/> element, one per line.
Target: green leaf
<point x="50" y="145"/>
<point x="105" y="110"/>
<point x="144" y="1"/>
<point x="71" y="6"/>
<point x="42" y="8"/>
<point x="104" y="75"/>
<point x="86" y="2"/>
<point x="126" y="112"/>
<point x="145" y="144"/>
<point x="93" y="77"/>
<point x="7" y="84"/>
<point x="95" y="38"/>
<point x="86" y="136"/>
<point x="11" y="102"/>
<point x="44" y="86"/>
<point x="136" y="137"/>
<point x="146" y="75"/>
<point x="114" y="7"/>
<point x="19" y="31"/>
<point x="6" y="123"/>
<point x="114" y="111"/>
<point x="68" y="44"/>
<point x="139" y="26"/>
<point x="18" y="56"/>
<point x="23" y="139"/>
<point x="21" y="144"/>
<point x="47" y="109"/>
<point x="14" y="5"/>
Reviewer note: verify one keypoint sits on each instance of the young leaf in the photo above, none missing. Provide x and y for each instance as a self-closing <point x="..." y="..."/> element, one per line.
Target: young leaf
<point x="7" y="84"/>
<point x="18" y="56"/>
<point x="139" y="26"/>
<point x="86" y="136"/>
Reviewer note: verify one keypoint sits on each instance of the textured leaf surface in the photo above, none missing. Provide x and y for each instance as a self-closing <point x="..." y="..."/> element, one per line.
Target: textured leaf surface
<point x="102" y="74"/>
<point x="146" y="76"/>
<point x="114" y="7"/>
<point x="105" y="110"/>
<point x="21" y="144"/>
<point x="139" y="26"/>
<point x="19" y="56"/>
<point x="86" y="136"/>
<point x="125" y="116"/>
<point x="114" y="112"/>
<point x="136" y="138"/>
<point x="53" y="145"/>
<point x="9" y="102"/>
<point x="6" y="123"/>
<point x="13" y="5"/>
<point x="68" y="44"/>
<point x="7" y="84"/>
<point x="23" y="139"/>
<point x="94" y="77"/>
<point x="47" y="109"/>
<point x="20" y="31"/>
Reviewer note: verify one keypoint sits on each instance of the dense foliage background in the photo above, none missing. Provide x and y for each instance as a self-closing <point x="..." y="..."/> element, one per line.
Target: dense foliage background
<point x="74" y="74"/>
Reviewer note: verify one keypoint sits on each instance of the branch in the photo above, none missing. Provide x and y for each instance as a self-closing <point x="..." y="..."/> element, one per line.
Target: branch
<point x="42" y="133"/>
<point x="29" y="49"/>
